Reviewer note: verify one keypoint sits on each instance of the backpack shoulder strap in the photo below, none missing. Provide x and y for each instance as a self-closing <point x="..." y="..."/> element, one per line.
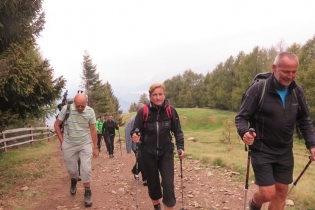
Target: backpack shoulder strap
<point x="261" y="92"/>
<point x="169" y="112"/>
<point x="298" y="96"/>
<point x="68" y="111"/>
<point x="145" y="115"/>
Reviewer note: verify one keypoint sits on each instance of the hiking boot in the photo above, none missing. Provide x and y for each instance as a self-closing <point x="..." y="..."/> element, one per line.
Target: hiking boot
<point x="252" y="206"/>
<point x="145" y="183"/>
<point x="73" y="187"/>
<point x="88" y="198"/>
<point x="157" y="207"/>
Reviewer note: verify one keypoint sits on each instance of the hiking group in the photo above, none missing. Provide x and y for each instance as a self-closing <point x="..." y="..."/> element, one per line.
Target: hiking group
<point x="270" y="109"/>
<point x="106" y="130"/>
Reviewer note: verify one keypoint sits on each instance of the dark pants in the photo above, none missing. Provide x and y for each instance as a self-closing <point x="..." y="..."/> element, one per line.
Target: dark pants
<point x="99" y="141"/>
<point x="270" y="168"/>
<point x="110" y="142"/>
<point x="140" y="166"/>
<point x="164" y="165"/>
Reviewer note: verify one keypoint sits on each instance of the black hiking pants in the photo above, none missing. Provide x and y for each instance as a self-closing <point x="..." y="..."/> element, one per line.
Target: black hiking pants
<point x="163" y="164"/>
<point x="110" y="142"/>
<point x="99" y="141"/>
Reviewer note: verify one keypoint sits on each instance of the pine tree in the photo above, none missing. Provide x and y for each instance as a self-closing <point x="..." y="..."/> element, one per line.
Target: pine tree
<point x="144" y="98"/>
<point x="89" y="75"/>
<point x="27" y="87"/>
<point x="132" y="107"/>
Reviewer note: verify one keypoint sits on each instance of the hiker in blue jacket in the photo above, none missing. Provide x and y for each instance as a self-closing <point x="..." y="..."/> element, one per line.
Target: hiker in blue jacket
<point x="130" y="145"/>
<point x="156" y="146"/>
<point x="283" y="106"/>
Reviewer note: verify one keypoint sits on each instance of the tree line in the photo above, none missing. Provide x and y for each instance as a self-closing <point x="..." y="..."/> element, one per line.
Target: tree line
<point x="223" y="87"/>
<point x="28" y="90"/>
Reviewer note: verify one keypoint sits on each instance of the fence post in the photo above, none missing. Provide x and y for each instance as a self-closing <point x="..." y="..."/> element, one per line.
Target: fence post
<point x="31" y="137"/>
<point x="48" y="133"/>
<point x="4" y="143"/>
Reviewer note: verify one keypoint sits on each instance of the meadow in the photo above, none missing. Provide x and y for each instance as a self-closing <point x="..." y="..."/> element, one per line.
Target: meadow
<point x="216" y="143"/>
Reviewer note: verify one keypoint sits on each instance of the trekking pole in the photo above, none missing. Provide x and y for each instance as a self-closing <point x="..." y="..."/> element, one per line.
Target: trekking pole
<point x="137" y="176"/>
<point x="296" y="181"/>
<point x="137" y="170"/>
<point x="251" y="131"/>
<point x="79" y="164"/>
<point x="119" y="142"/>
<point x="181" y="177"/>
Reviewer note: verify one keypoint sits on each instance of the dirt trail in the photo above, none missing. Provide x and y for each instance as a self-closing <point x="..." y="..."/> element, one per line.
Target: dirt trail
<point x="114" y="187"/>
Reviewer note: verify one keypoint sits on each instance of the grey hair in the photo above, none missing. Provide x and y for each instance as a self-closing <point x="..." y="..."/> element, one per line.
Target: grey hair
<point x="285" y="54"/>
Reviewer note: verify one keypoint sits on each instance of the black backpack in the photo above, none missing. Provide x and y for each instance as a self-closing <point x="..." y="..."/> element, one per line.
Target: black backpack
<point x="261" y="79"/>
<point x="62" y="125"/>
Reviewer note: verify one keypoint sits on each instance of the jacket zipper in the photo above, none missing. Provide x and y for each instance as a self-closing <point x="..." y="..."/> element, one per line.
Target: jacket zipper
<point x="157" y="132"/>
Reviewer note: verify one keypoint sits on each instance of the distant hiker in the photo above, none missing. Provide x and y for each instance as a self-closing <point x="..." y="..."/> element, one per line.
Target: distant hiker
<point x="79" y="132"/>
<point x="108" y="130"/>
<point x="282" y="107"/>
<point x="131" y="145"/>
<point x="156" y="146"/>
<point x="99" y="126"/>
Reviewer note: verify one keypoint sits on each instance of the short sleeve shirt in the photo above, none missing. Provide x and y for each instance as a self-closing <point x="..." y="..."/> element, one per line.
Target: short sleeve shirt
<point x="77" y="127"/>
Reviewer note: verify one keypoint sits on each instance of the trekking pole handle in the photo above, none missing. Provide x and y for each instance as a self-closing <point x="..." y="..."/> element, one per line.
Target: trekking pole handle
<point x="180" y="151"/>
<point x="251" y="131"/>
<point x="137" y="131"/>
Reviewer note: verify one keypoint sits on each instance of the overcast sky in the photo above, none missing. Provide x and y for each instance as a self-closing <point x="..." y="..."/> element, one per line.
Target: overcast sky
<point x="137" y="42"/>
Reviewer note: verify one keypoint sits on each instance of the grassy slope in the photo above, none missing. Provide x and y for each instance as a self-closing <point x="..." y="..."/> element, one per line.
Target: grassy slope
<point x="209" y="127"/>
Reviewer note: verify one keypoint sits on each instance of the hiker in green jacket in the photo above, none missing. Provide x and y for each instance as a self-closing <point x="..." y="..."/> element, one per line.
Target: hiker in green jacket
<point x="99" y="125"/>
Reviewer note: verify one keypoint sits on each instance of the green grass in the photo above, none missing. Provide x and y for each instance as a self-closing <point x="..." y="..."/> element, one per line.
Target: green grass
<point x="26" y="166"/>
<point x="209" y="127"/>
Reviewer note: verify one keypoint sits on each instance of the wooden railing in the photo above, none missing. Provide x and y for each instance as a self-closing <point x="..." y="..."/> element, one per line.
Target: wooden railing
<point x="24" y="136"/>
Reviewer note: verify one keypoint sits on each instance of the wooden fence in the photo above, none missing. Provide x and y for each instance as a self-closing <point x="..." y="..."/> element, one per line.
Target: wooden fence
<point x="19" y="136"/>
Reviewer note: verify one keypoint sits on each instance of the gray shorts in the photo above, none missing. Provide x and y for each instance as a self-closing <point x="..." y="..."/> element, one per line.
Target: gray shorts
<point x="270" y="168"/>
<point x="71" y="155"/>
